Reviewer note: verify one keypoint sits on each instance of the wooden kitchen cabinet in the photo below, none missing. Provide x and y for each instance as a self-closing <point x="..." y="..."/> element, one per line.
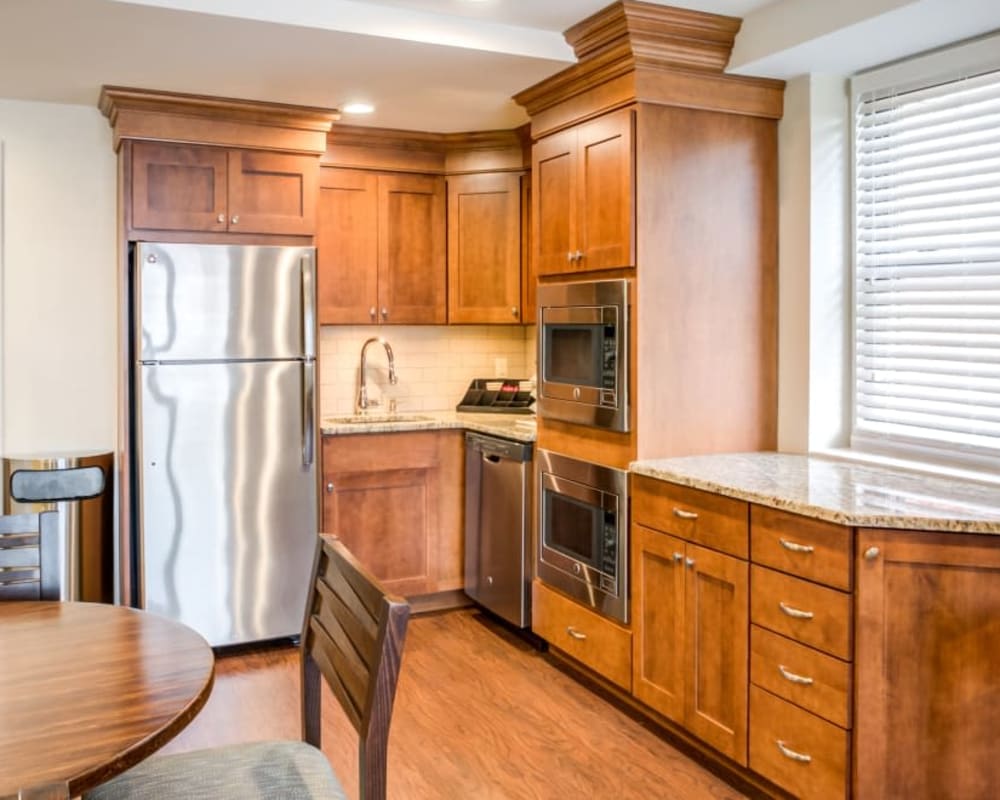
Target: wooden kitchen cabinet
<point x="381" y="248"/>
<point x="583" y="212"/>
<point x="484" y="248"/>
<point x="396" y="501"/>
<point x="689" y="657"/>
<point x="928" y="643"/>
<point x="185" y="187"/>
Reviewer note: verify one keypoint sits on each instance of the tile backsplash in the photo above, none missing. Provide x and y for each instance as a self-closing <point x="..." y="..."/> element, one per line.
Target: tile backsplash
<point x="434" y="364"/>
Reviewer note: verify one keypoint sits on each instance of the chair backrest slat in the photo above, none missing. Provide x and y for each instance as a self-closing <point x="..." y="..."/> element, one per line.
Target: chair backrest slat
<point x="353" y="636"/>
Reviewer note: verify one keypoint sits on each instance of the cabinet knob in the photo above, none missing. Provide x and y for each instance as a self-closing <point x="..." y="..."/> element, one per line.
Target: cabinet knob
<point x="578" y="255"/>
<point x="329" y="488"/>
<point x="689" y="561"/>
<point x="569" y="256"/>
<point x="872" y="553"/>
<point x="385" y="313"/>
<point x="220" y="218"/>
<point x="234" y="219"/>
<point x="372" y="312"/>
<point x="513" y="312"/>
<point x="678" y="557"/>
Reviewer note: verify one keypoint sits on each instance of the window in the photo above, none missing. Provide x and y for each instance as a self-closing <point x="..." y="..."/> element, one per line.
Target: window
<point x="927" y="259"/>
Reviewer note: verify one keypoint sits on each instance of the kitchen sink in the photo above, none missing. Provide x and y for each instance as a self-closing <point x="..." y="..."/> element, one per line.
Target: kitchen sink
<point x="376" y="419"/>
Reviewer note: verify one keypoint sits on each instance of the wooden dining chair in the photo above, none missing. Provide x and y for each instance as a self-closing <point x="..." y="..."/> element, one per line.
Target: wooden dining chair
<point x="353" y="638"/>
<point x="50" y="791"/>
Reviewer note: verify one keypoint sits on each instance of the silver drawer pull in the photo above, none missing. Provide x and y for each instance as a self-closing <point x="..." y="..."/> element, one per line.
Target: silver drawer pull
<point x="680" y="512"/>
<point x="802" y="680"/>
<point x="795" y="547"/>
<point x="580" y="635"/>
<point x="789" y="753"/>
<point x="797" y="613"/>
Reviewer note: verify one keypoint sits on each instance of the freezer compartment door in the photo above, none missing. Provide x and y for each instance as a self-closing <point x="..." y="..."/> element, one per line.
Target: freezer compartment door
<point x="228" y="504"/>
<point x="218" y="302"/>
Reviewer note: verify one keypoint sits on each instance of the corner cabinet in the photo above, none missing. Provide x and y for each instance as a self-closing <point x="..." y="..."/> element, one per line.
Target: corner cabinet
<point x="185" y="187"/>
<point x="380" y="243"/>
<point x="928" y="643"/>
<point x="583" y="186"/>
<point x="484" y="248"/>
<point x="396" y="500"/>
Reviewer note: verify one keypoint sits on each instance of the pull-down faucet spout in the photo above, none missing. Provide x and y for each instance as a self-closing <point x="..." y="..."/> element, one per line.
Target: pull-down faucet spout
<point x="363" y="401"/>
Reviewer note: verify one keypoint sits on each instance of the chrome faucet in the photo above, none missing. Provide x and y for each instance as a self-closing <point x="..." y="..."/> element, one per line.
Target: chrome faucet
<point x="363" y="402"/>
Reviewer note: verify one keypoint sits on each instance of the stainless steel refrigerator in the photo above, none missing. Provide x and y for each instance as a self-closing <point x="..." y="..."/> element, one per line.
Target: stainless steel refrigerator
<point x="224" y="436"/>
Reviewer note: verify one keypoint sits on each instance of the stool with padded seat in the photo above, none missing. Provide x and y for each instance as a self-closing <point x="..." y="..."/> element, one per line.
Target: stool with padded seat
<point x="353" y="637"/>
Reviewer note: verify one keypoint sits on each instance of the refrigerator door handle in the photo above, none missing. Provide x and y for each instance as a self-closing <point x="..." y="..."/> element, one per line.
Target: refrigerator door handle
<point x="308" y="424"/>
<point x="308" y="306"/>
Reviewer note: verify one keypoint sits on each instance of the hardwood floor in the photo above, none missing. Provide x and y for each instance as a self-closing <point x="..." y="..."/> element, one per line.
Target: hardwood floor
<point x="479" y="715"/>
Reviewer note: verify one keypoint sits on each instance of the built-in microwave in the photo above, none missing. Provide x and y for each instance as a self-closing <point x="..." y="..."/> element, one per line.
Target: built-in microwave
<point x="583" y="532"/>
<point x="583" y="353"/>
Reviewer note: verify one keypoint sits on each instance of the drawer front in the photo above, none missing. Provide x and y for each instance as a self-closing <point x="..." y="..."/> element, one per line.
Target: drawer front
<point x="800" y="752"/>
<point x="809" y="548"/>
<point x="712" y="520"/>
<point x="804" y="611"/>
<point x="813" y="680"/>
<point x="588" y="637"/>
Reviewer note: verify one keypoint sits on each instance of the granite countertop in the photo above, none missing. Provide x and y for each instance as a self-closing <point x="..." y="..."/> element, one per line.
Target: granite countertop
<point x="519" y="427"/>
<point x="846" y="492"/>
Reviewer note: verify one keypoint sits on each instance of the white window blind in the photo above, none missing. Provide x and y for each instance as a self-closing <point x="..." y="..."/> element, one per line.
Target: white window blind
<point x="927" y="261"/>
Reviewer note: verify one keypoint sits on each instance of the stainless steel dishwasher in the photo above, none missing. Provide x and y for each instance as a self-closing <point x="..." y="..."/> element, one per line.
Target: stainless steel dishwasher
<point x="497" y="547"/>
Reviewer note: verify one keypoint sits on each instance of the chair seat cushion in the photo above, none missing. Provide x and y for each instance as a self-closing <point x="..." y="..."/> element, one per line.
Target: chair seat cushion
<point x="257" y="771"/>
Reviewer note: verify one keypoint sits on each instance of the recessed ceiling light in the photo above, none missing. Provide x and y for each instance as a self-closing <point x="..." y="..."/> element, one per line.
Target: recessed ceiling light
<point x="358" y="108"/>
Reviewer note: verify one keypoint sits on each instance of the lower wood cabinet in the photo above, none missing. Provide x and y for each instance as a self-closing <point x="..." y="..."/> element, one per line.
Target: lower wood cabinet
<point x="396" y="500"/>
<point x="591" y="639"/>
<point x="689" y="657"/>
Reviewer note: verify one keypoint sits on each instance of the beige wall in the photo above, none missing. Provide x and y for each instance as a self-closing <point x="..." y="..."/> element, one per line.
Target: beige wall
<point x="57" y="306"/>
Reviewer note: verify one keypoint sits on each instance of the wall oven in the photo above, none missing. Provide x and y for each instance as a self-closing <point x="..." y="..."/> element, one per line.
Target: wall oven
<point x="583" y="353"/>
<point x="583" y="532"/>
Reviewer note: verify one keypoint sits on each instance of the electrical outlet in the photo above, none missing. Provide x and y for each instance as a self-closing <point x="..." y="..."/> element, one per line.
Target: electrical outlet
<point x="499" y="367"/>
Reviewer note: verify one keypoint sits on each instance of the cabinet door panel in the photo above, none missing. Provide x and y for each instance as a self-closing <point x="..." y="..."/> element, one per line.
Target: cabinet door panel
<point x="717" y="619"/>
<point x="928" y="642"/>
<point x="553" y="223"/>
<point x="606" y="191"/>
<point x="484" y="244"/>
<point x="347" y="247"/>
<point x="272" y="192"/>
<point x="178" y="187"/>
<point x="411" y="260"/>
<point x="658" y="663"/>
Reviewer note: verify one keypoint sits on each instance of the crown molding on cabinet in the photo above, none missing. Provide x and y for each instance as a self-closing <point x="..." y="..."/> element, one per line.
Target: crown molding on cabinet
<point x="228" y="122"/>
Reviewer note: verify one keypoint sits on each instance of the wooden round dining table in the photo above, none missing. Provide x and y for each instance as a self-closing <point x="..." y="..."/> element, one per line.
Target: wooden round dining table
<point x="88" y="690"/>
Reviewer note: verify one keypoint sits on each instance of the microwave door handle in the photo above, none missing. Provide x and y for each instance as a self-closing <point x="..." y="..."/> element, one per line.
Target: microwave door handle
<point x="585" y="494"/>
<point x="573" y="315"/>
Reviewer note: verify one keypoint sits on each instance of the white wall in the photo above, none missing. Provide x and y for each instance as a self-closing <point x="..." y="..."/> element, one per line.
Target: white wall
<point x="58" y="318"/>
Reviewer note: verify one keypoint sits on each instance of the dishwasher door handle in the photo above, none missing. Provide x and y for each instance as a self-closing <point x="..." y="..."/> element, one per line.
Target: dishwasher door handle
<point x="491" y="458"/>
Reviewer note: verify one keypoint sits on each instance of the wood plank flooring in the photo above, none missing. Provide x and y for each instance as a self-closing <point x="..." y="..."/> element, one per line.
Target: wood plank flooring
<point x="479" y="715"/>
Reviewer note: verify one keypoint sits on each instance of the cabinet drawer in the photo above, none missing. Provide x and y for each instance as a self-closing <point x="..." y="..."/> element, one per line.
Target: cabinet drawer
<point x="804" y="611"/>
<point x="797" y="750"/>
<point x="809" y="548"/>
<point x="720" y="523"/>
<point x="590" y="638"/>
<point x="817" y="682"/>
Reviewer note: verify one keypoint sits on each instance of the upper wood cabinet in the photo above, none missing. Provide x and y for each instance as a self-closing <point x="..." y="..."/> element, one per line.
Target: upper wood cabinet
<point x="928" y="643"/>
<point x="583" y="212"/>
<point x="184" y="187"/>
<point x="484" y="248"/>
<point x="381" y="248"/>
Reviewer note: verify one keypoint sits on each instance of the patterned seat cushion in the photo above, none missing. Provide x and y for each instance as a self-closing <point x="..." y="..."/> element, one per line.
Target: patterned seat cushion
<point x="258" y="771"/>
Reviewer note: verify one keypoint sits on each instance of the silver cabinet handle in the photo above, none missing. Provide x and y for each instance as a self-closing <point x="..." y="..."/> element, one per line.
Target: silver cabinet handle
<point x="680" y="512"/>
<point x="308" y="405"/>
<point x="329" y="488"/>
<point x="385" y="313"/>
<point x="795" y="612"/>
<point x="579" y="635"/>
<point x="235" y="219"/>
<point x="795" y="547"/>
<point x="789" y="753"/>
<point x="220" y="218"/>
<point x="372" y="312"/>
<point x="872" y="553"/>
<point x="678" y="557"/>
<point x="801" y="680"/>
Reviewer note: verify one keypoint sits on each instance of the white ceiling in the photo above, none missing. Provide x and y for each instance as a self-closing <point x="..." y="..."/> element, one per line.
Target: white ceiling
<point x="436" y="65"/>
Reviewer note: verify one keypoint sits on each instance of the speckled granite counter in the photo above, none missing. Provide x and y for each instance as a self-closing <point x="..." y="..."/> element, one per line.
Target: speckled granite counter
<point x="520" y="427"/>
<point x="845" y="492"/>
